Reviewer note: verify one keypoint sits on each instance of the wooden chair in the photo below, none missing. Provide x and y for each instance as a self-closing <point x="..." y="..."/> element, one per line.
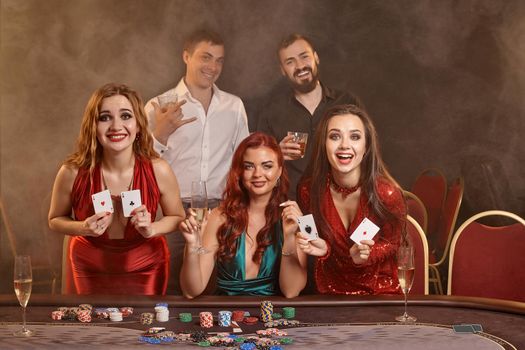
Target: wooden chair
<point x="487" y="261"/>
<point x="431" y="188"/>
<point x="419" y="241"/>
<point x="416" y="209"/>
<point x="445" y="232"/>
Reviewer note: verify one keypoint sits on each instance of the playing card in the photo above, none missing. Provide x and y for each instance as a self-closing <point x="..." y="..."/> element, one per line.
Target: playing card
<point x="130" y="201"/>
<point x="307" y="226"/>
<point x="102" y="202"/>
<point x="366" y="230"/>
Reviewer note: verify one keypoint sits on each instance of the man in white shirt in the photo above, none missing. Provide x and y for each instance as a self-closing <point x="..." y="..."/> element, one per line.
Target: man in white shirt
<point x="199" y="134"/>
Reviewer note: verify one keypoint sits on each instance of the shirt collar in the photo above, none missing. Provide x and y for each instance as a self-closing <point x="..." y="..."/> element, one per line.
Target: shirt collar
<point x="182" y="90"/>
<point x="326" y="93"/>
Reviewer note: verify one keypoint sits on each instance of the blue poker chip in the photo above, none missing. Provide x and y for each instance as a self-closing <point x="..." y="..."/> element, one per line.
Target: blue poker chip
<point x="150" y="340"/>
<point x="162" y="304"/>
<point x="247" y="346"/>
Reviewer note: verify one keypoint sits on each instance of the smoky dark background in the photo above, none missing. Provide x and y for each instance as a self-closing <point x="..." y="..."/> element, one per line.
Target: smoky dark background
<point x="443" y="80"/>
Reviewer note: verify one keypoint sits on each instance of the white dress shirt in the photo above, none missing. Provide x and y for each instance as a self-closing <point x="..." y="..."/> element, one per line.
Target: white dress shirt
<point x="203" y="149"/>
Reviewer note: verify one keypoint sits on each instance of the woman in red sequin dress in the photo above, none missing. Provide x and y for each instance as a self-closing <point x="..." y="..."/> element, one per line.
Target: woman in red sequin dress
<point x="110" y="253"/>
<point x="346" y="182"/>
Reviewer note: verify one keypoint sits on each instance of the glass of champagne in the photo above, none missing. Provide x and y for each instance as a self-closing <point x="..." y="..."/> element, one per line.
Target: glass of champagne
<point x="405" y="274"/>
<point x="23" y="279"/>
<point x="199" y="206"/>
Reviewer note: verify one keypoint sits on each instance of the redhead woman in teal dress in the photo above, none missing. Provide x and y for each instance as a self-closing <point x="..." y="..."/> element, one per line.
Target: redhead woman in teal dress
<point x="252" y="238"/>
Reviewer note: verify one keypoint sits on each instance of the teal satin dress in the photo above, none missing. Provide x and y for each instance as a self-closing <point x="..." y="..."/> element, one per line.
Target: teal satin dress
<point x="231" y="274"/>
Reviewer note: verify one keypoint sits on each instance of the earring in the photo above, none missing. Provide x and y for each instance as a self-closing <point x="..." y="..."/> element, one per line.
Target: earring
<point x="137" y="136"/>
<point x="278" y="182"/>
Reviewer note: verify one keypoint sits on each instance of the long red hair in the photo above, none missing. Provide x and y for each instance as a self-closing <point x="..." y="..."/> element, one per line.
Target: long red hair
<point x="235" y="201"/>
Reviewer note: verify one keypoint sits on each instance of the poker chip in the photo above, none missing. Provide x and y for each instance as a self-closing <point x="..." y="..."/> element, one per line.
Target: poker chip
<point x="206" y="319"/>
<point x="115" y="316"/>
<point x="84" y="315"/>
<point x="155" y="330"/>
<point x="162" y="304"/>
<point x="204" y="343"/>
<point x="276" y="316"/>
<point x="146" y="318"/>
<point x="266" y="310"/>
<point x="150" y="340"/>
<point x="101" y="313"/>
<point x="288" y="312"/>
<point x="238" y="315"/>
<point x="112" y="309"/>
<point x="281" y="322"/>
<point x="85" y="307"/>
<point x="57" y="315"/>
<point x="185" y="317"/>
<point x="250" y="320"/>
<point x="248" y="346"/>
<point x="162" y="314"/>
<point x="225" y="318"/>
<point x="126" y="311"/>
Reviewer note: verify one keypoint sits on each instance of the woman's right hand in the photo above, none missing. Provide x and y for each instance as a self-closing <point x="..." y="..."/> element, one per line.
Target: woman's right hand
<point x="97" y="224"/>
<point x="190" y="229"/>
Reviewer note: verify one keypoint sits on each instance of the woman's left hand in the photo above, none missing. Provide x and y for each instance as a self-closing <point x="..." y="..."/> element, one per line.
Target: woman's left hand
<point x="316" y="247"/>
<point x="289" y="215"/>
<point x="361" y="252"/>
<point x="141" y="220"/>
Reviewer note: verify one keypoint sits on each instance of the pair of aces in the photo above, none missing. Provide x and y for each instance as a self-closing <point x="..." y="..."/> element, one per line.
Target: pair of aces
<point x="130" y="200"/>
<point x="366" y="229"/>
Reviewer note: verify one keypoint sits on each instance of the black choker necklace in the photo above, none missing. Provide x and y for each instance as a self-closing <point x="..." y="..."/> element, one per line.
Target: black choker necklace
<point x="345" y="191"/>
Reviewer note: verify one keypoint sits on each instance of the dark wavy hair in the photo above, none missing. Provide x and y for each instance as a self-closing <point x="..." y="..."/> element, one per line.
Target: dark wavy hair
<point x="372" y="166"/>
<point x="235" y="201"/>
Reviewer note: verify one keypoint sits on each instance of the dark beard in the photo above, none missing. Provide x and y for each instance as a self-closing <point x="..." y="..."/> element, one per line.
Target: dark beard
<point x="305" y="87"/>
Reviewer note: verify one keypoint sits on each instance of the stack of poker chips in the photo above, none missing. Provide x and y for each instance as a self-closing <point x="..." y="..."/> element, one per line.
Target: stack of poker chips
<point x="57" y="315"/>
<point x="162" y="313"/>
<point x="206" y="319"/>
<point x="238" y="316"/>
<point x="126" y="311"/>
<point x="101" y="313"/>
<point x="225" y="318"/>
<point x="185" y="317"/>
<point x="115" y="316"/>
<point x="84" y="315"/>
<point x="146" y="318"/>
<point x="266" y="311"/>
<point x="288" y="312"/>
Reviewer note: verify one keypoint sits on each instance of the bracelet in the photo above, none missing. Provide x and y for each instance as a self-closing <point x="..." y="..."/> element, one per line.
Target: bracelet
<point x="283" y="253"/>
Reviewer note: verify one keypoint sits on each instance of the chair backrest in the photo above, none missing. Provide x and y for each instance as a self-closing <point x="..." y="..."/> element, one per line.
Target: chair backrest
<point x="487" y="261"/>
<point x="416" y="209"/>
<point x="431" y="187"/>
<point x="419" y="241"/>
<point x="448" y="220"/>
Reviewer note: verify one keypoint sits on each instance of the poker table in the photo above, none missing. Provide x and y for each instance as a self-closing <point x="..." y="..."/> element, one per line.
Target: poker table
<point x="327" y="322"/>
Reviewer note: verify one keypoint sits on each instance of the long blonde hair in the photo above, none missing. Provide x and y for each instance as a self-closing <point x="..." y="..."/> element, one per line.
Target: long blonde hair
<point x="88" y="150"/>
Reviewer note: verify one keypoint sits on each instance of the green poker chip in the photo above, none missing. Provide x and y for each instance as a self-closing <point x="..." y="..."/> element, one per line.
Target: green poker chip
<point x="185" y="317"/>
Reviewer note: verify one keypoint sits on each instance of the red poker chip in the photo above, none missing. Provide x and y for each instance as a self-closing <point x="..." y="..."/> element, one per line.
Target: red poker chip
<point x="251" y="320"/>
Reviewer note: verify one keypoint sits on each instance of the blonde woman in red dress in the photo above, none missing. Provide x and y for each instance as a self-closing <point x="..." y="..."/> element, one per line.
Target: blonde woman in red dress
<point x="346" y="182"/>
<point x="110" y="253"/>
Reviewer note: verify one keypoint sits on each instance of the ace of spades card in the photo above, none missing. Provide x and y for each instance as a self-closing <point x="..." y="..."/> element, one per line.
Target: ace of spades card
<point x="307" y="226"/>
<point x="130" y="201"/>
<point x="102" y="202"/>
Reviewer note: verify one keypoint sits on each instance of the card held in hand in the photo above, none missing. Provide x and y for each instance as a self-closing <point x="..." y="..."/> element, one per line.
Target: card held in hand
<point x="307" y="226"/>
<point x="102" y="202"/>
<point x="130" y="201"/>
<point x="366" y="230"/>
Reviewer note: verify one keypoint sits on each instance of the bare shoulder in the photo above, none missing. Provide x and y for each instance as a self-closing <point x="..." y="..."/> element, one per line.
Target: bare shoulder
<point x="67" y="173"/>
<point x="161" y="168"/>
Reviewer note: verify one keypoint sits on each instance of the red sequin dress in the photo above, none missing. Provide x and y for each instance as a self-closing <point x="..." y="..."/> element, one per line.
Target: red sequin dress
<point x="132" y="265"/>
<point x="336" y="273"/>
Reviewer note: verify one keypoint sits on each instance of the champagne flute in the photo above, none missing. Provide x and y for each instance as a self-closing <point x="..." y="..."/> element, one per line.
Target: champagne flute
<point x="405" y="274"/>
<point x="199" y="205"/>
<point x="23" y="279"/>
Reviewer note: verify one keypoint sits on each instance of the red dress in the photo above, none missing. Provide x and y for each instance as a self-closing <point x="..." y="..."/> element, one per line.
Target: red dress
<point x="336" y="273"/>
<point x="132" y="265"/>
